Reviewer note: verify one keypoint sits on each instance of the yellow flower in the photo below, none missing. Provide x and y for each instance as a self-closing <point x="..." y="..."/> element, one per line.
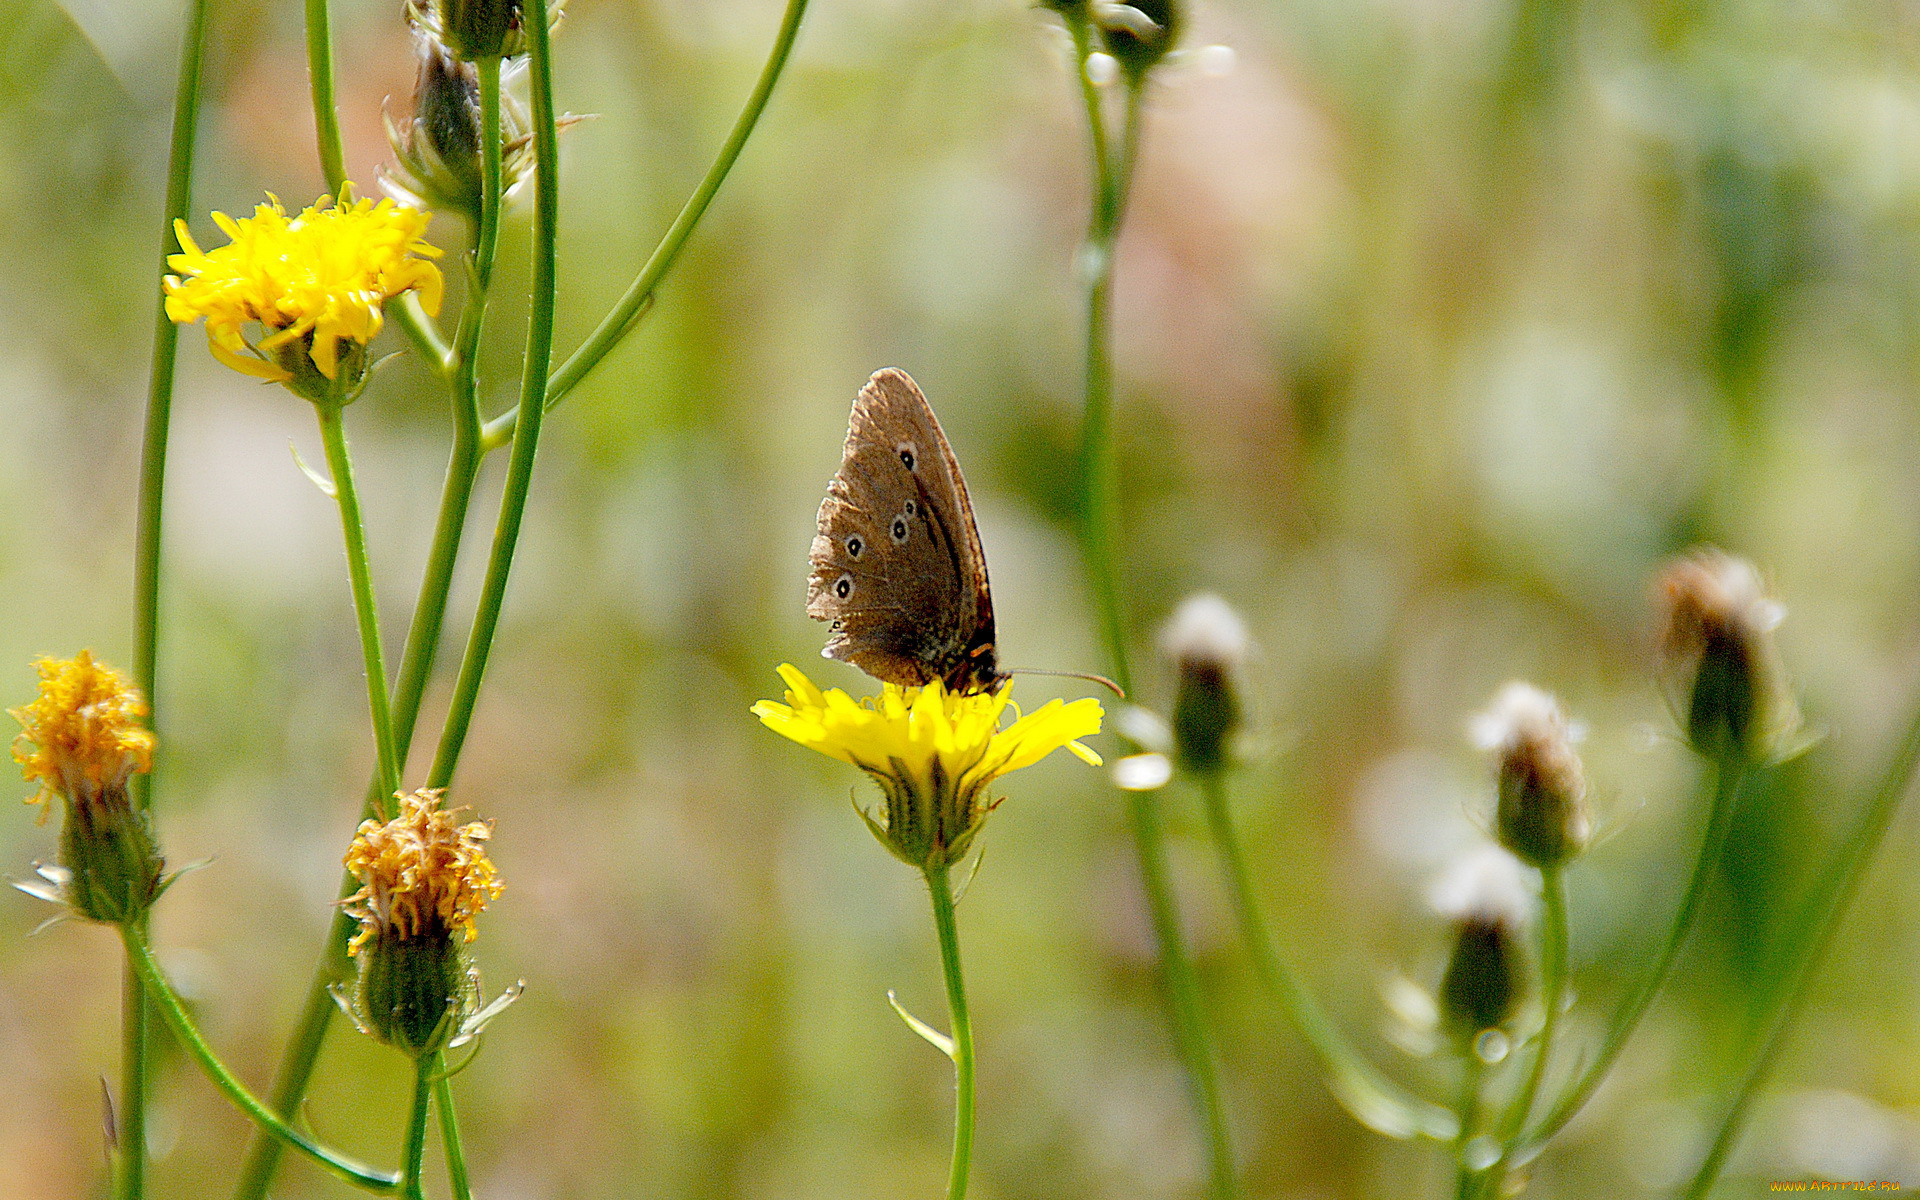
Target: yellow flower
<point x="421" y="875"/>
<point x="81" y="738"/>
<point x="310" y="282"/>
<point x="82" y="734"/>
<point x="934" y="753"/>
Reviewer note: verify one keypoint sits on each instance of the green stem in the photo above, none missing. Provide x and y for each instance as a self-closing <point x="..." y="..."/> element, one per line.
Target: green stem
<point x="1467" y="1180"/>
<point x="626" y="315"/>
<point x="1099" y="468"/>
<point x="1553" y="980"/>
<point x="1371" y="1096"/>
<point x="943" y="923"/>
<point x="130" y="1129"/>
<point x="1098" y="484"/>
<point x="533" y="382"/>
<point x="1728" y="774"/>
<point x="416" y="660"/>
<point x="326" y="119"/>
<point x="416" y="1147"/>
<point x="450" y="1131"/>
<point x="174" y="1013"/>
<point x="166" y="347"/>
<point x="333" y="432"/>
<point x="1809" y="940"/>
<point x="1192" y="1040"/>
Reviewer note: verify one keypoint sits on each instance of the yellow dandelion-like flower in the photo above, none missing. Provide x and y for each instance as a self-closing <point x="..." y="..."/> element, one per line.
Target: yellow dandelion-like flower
<point x="309" y="282"/>
<point x="421" y="875"/>
<point x="933" y="752"/>
<point x="82" y="734"/>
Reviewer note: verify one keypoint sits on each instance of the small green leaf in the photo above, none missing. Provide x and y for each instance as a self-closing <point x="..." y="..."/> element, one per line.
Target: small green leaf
<point x="939" y="1041"/>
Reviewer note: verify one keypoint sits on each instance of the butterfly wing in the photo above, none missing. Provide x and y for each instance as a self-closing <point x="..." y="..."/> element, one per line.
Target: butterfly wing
<point x="896" y="562"/>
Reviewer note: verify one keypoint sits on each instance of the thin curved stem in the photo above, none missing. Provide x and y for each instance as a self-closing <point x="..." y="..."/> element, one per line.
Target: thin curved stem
<point x="1553" y="985"/>
<point x="948" y="931"/>
<point x="1098" y="485"/>
<point x="1728" y="774"/>
<point x="633" y="306"/>
<point x="1466" y="1184"/>
<point x="1377" y="1101"/>
<point x="416" y="660"/>
<point x="1812" y="934"/>
<point x="450" y="1131"/>
<point x="365" y="611"/>
<point x="415" y="1151"/>
<point x="131" y="1130"/>
<point x="533" y="383"/>
<point x="167" y="1002"/>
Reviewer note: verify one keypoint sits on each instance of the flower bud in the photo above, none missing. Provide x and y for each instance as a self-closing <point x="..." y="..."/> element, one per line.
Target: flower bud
<point x="1140" y="32"/>
<point x="1208" y="642"/>
<point x="82" y="739"/>
<point x="1541" y="816"/>
<point x="1487" y="901"/>
<point x="423" y="881"/>
<point x="437" y="151"/>
<point x="1718" y="647"/>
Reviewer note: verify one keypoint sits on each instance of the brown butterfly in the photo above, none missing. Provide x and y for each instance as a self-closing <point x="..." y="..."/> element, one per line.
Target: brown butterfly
<point x="897" y="564"/>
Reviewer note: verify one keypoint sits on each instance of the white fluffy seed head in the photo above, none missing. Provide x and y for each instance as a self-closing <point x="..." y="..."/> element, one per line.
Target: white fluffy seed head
<point x="1205" y="630"/>
<point x="1484" y="884"/>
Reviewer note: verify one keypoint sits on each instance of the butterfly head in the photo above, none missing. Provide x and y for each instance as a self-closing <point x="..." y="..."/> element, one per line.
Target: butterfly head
<point x="977" y="670"/>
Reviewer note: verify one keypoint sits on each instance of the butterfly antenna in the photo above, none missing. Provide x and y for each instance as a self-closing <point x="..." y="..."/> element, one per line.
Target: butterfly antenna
<point x="1102" y="680"/>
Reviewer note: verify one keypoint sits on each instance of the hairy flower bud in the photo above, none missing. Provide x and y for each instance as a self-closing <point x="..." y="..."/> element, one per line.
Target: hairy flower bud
<point x="83" y="740"/>
<point x="437" y="151"/>
<point x="1487" y="901"/>
<point x="1541" y="816"/>
<point x="1139" y="33"/>
<point x="1718" y="645"/>
<point x="423" y="881"/>
<point x="1208" y="643"/>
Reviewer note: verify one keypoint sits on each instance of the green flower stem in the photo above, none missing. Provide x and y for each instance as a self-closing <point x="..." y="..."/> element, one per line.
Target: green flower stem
<point x="1728" y="774"/>
<point x="450" y="1131"/>
<point x="366" y="614"/>
<point x="1376" y="1100"/>
<point x="166" y="346"/>
<point x="326" y="119"/>
<point x="533" y="384"/>
<point x="633" y="306"/>
<point x="416" y="660"/>
<point x="1098" y="485"/>
<point x="130" y="1131"/>
<point x="168" y="1004"/>
<point x="416" y="1147"/>
<point x="1474" y="1073"/>
<point x="943" y="923"/>
<point x="135" y="1058"/>
<point x="1553" y="985"/>
<point x="1808" y="941"/>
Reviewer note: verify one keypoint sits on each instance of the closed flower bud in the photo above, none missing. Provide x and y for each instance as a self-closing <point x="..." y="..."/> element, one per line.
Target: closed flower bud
<point x="437" y="151"/>
<point x="1208" y="643"/>
<point x="423" y="881"/>
<point x="1541" y="816"/>
<point x="1718" y="645"/>
<point x="1486" y="899"/>
<point x="82" y="739"/>
<point x="1139" y="33"/>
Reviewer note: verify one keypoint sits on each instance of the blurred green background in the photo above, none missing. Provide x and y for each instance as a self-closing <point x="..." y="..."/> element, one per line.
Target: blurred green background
<point x="1440" y="326"/>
